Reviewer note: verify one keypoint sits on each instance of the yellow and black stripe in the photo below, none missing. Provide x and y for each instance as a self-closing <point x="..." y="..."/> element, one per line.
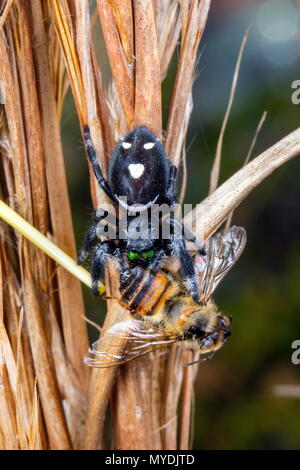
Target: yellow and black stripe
<point x="146" y="292"/>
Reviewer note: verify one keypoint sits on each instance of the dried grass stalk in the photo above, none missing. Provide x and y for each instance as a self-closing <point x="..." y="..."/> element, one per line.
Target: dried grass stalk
<point x="38" y="357"/>
<point x="215" y="172"/>
<point x="193" y="26"/>
<point x="50" y="400"/>
<point x="120" y="62"/>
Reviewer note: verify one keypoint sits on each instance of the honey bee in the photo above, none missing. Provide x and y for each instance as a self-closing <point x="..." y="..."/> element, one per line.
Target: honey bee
<point x="163" y="312"/>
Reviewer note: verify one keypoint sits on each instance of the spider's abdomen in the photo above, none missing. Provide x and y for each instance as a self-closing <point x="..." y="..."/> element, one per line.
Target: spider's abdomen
<point x="139" y="169"/>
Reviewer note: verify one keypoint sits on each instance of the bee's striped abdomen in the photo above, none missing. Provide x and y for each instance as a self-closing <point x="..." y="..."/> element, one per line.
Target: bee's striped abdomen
<point x="148" y="292"/>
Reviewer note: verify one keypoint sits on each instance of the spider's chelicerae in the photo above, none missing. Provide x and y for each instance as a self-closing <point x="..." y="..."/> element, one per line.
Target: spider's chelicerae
<point x="141" y="179"/>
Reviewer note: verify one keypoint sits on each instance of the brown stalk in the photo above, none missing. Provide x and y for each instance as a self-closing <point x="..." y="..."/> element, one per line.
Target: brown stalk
<point x="5" y="12"/>
<point x="248" y="157"/>
<point x="168" y="27"/>
<point x="215" y="172"/>
<point x="197" y="17"/>
<point x="134" y="426"/>
<point x="7" y="415"/>
<point x="121" y="69"/>
<point x="173" y="382"/>
<point x="186" y="402"/>
<point x="62" y="21"/>
<point x="216" y="207"/>
<point x="122" y="11"/>
<point x="138" y="379"/>
<point x="48" y="387"/>
<point x="147" y="71"/>
<point x="71" y="301"/>
<point x="83" y="42"/>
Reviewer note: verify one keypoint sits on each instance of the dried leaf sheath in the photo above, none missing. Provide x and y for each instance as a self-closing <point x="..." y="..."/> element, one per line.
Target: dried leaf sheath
<point x="30" y="278"/>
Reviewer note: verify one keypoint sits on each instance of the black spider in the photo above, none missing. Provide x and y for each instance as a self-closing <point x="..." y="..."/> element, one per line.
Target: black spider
<point x="141" y="179"/>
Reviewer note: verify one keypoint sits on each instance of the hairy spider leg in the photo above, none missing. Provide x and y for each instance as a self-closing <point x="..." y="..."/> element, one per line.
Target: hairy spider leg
<point x="178" y="248"/>
<point x="91" y="236"/>
<point x="102" y="253"/>
<point x="187" y="234"/>
<point x="171" y="186"/>
<point x="96" y="167"/>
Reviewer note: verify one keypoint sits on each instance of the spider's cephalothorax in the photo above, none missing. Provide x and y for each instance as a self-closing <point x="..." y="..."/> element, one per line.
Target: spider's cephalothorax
<point x="141" y="180"/>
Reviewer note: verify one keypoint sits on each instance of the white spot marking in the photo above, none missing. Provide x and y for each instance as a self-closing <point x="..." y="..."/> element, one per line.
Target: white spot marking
<point x="126" y="145"/>
<point x="135" y="207"/>
<point x="149" y="145"/>
<point x="136" y="170"/>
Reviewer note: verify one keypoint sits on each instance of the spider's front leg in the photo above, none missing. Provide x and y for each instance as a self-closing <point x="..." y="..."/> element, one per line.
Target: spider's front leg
<point x="93" y="233"/>
<point x="178" y="248"/>
<point x="181" y="229"/>
<point x="170" y="193"/>
<point x="103" y="251"/>
<point x="96" y="167"/>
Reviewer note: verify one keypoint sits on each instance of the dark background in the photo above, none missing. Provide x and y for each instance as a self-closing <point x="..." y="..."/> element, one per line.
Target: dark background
<point x="236" y="406"/>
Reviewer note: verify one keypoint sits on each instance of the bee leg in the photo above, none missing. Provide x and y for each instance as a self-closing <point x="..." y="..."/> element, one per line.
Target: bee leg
<point x="102" y="252"/>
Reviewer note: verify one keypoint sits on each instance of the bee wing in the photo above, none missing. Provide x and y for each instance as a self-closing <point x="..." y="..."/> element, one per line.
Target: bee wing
<point x="222" y="252"/>
<point x="124" y="342"/>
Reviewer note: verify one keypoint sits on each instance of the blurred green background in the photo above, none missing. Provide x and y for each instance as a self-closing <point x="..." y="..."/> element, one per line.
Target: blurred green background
<point x="236" y="407"/>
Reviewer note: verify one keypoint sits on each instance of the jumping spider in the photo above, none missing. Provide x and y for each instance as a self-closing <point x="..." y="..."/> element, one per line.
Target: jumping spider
<point x="141" y="178"/>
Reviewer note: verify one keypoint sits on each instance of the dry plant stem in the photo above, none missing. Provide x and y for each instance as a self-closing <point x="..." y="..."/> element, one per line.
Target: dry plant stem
<point x="102" y="381"/>
<point x="33" y="126"/>
<point x="45" y="245"/>
<point x="122" y="10"/>
<point x="171" y="397"/>
<point x="5" y="12"/>
<point x="168" y="31"/>
<point x="187" y="394"/>
<point x="249" y="154"/>
<point x="215" y="172"/>
<point x="61" y="17"/>
<point x="147" y="77"/>
<point x="48" y="388"/>
<point x="135" y="425"/>
<point x="27" y="349"/>
<point x="89" y="97"/>
<point x="216" y="207"/>
<point x="133" y="383"/>
<point x="75" y="333"/>
<point x="196" y="23"/>
<point x="121" y="70"/>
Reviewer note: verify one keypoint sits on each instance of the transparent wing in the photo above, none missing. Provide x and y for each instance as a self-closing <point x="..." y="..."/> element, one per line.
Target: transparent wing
<point x="124" y="342"/>
<point x="222" y="252"/>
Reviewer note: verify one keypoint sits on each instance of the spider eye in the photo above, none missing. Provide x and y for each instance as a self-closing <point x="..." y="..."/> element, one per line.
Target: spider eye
<point x="148" y="254"/>
<point x="132" y="255"/>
